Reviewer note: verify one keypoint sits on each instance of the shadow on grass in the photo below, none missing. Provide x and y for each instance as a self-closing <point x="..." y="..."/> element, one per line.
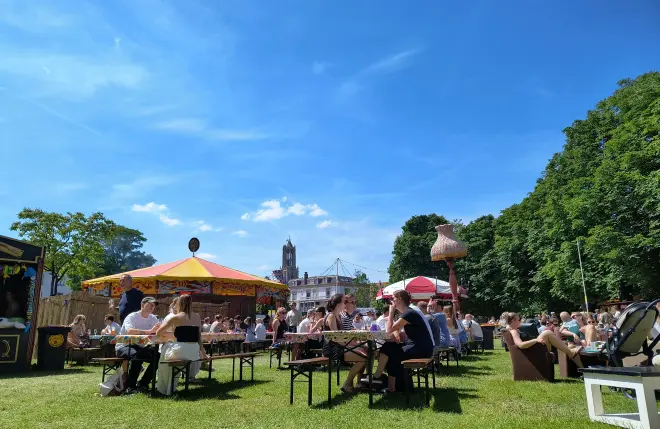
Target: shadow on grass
<point x="463" y="371"/>
<point x="39" y="373"/>
<point x="338" y="399"/>
<point x="568" y="381"/>
<point x="213" y="389"/>
<point x="445" y="400"/>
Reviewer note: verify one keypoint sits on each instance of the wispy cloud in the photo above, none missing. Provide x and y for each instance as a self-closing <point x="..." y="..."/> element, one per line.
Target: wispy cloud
<point x="240" y="233"/>
<point x="136" y="188"/>
<point x="389" y="64"/>
<point x="207" y="255"/>
<point x="325" y="224"/>
<point x="160" y="210"/>
<point x="198" y="128"/>
<point x="202" y="226"/>
<point x="320" y="67"/>
<point x="274" y="209"/>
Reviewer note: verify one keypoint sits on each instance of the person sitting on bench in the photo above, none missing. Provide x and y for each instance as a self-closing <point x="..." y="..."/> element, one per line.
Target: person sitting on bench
<point x="418" y="344"/>
<point x="188" y="345"/>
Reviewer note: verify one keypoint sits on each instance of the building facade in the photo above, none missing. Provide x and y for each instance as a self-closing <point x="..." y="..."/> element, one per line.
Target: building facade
<point x="311" y="292"/>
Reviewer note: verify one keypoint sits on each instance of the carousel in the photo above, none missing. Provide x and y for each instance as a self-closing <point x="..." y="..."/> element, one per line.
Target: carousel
<point x="213" y="282"/>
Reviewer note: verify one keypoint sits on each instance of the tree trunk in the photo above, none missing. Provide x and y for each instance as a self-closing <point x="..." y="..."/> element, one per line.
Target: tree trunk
<point x="53" y="284"/>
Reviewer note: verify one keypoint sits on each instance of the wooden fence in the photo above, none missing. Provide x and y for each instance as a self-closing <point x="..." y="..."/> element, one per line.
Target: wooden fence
<point x="61" y="309"/>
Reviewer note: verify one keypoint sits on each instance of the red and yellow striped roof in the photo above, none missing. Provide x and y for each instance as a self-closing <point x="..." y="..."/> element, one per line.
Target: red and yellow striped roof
<point x="192" y="268"/>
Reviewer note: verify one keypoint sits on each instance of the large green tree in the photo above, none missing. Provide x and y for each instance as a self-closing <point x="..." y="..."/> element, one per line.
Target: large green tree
<point x="123" y="251"/>
<point x="412" y="249"/>
<point x="73" y="242"/>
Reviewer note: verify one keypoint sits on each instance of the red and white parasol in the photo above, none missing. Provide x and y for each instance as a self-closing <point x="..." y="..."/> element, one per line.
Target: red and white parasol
<point x="421" y="288"/>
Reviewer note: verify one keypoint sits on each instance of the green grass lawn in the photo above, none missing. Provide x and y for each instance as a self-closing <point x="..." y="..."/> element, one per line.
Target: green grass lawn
<point x="478" y="394"/>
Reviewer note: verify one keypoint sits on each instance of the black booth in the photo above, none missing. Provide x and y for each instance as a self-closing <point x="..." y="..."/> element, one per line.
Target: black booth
<point x="21" y="267"/>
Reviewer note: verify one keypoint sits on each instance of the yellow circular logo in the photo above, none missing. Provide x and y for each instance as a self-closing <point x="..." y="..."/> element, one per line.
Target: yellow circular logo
<point x="56" y="340"/>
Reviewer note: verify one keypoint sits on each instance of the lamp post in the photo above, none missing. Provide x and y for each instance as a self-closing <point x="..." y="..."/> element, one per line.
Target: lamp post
<point x="447" y="248"/>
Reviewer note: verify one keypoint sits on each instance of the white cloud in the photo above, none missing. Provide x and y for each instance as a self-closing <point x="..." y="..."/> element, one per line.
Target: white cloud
<point x="316" y="211"/>
<point x="297" y="209"/>
<point x="169" y="221"/>
<point x="198" y="128"/>
<point x="206" y="255"/>
<point x="202" y="226"/>
<point x="326" y="224"/>
<point x="149" y="208"/>
<point x="320" y="67"/>
<point x="274" y="209"/>
<point x="240" y="233"/>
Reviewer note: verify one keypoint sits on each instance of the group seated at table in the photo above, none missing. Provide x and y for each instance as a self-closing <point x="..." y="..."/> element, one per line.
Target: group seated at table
<point x="415" y="342"/>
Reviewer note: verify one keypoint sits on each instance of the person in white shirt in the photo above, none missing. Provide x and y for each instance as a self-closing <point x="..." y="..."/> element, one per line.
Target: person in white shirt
<point x="111" y="327"/>
<point x="368" y="319"/>
<point x="382" y="320"/>
<point x="141" y="322"/>
<point x="473" y="328"/>
<point x="306" y="325"/>
<point x="293" y="318"/>
<point x="206" y="327"/>
<point x="260" y="330"/>
<point x="216" y="326"/>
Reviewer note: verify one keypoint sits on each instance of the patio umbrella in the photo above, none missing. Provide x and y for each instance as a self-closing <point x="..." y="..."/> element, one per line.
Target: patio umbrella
<point x="420" y="287"/>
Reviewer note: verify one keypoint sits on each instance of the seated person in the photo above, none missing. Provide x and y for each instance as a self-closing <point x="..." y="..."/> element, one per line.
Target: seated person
<point x="141" y="322"/>
<point x="333" y="322"/>
<point x="570" y="327"/>
<point x="78" y="337"/>
<point x="188" y="344"/>
<point x="547" y="338"/>
<point x="416" y="344"/>
<point x="111" y="327"/>
<point x="441" y="317"/>
<point x="216" y="326"/>
<point x="260" y="330"/>
<point x="473" y="328"/>
<point x="206" y="326"/>
<point x="454" y="327"/>
<point x="250" y="334"/>
<point x="382" y="319"/>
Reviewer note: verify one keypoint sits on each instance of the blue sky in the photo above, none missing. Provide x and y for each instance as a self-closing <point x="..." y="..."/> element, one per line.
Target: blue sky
<point x="244" y="122"/>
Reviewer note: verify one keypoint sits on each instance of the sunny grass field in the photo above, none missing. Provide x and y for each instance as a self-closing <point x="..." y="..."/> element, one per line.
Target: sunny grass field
<point x="478" y="394"/>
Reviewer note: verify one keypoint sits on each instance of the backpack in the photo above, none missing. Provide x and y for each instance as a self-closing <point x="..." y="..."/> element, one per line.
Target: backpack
<point x="113" y="385"/>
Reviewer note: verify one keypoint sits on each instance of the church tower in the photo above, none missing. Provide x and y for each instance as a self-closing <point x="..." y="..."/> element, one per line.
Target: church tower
<point x="289" y="267"/>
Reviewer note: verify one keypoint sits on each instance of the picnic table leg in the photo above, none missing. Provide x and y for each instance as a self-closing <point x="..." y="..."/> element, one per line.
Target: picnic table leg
<point x="240" y="370"/>
<point x="291" y="389"/>
<point x="252" y="368"/>
<point x="155" y="368"/>
<point x="330" y="382"/>
<point x="370" y="370"/>
<point x="309" y="388"/>
<point x="233" y="365"/>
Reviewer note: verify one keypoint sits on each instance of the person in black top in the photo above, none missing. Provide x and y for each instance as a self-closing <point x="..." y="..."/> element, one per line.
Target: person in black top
<point x="131" y="299"/>
<point x="417" y="345"/>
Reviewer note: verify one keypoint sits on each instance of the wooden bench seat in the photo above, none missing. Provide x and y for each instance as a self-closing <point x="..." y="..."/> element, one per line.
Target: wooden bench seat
<point x="420" y="368"/>
<point x="303" y="367"/>
<point x="245" y="359"/>
<point x="109" y="365"/>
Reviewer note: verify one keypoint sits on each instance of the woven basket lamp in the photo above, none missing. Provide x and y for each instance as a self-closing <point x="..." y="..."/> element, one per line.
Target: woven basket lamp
<point x="447" y="248"/>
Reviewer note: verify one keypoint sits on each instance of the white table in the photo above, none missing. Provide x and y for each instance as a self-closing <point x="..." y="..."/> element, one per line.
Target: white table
<point x="643" y="380"/>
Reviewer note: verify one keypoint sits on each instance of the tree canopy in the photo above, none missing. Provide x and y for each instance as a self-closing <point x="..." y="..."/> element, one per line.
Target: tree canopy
<point x="602" y="190"/>
<point x="80" y="247"/>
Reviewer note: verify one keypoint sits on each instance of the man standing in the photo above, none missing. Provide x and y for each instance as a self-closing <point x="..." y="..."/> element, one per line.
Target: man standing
<point x="141" y="322"/>
<point x="131" y="299"/>
<point x="293" y="318"/>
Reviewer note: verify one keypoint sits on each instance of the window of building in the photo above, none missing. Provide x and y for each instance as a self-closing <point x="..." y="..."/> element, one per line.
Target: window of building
<point x="293" y="296"/>
<point x="298" y="282"/>
<point x="308" y="293"/>
<point x="319" y="281"/>
<point x="327" y="292"/>
<point x="329" y="280"/>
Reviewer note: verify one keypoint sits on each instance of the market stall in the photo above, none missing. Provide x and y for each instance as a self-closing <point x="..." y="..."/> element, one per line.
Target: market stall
<point x="21" y="266"/>
<point x="197" y="276"/>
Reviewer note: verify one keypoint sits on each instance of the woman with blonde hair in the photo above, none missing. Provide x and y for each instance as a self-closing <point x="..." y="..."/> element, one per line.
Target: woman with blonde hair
<point x="188" y="345"/>
<point x="77" y="335"/>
